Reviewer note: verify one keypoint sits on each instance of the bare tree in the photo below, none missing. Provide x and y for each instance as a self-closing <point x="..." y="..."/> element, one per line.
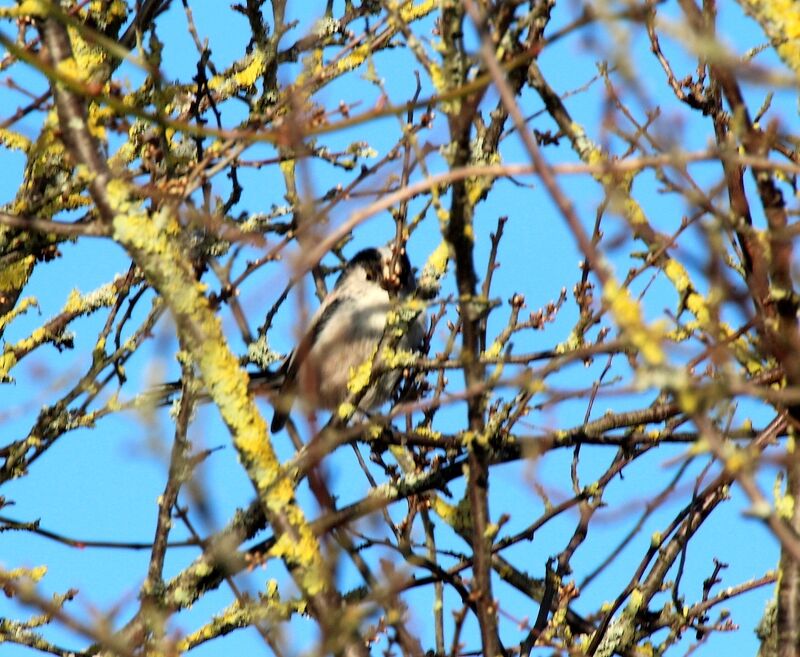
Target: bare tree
<point x="639" y="398"/>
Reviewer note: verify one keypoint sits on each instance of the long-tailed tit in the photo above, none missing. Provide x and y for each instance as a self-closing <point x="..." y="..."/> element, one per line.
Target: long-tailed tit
<point x="344" y="333"/>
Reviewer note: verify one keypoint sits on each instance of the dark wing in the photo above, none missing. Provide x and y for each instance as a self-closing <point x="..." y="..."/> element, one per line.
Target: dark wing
<point x="291" y="366"/>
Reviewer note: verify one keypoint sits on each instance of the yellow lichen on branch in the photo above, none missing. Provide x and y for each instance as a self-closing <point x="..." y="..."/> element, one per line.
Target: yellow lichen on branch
<point x="411" y="12"/>
<point x="243" y="76"/>
<point x="14" y="140"/>
<point x="619" y="189"/>
<point x="151" y="241"/>
<point x="34" y="574"/>
<point x="269" y="608"/>
<point x="14" y="276"/>
<point x="627" y="315"/>
<point x="54" y="329"/>
<point x="780" y="20"/>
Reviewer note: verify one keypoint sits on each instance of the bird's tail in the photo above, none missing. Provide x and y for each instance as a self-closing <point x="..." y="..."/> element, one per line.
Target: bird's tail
<point x="262" y="382"/>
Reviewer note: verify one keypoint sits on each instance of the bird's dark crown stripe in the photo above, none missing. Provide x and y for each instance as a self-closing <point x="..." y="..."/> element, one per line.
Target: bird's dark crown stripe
<point x="372" y="261"/>
<point x="365" y="256"/>
<point x="369" y="259"/>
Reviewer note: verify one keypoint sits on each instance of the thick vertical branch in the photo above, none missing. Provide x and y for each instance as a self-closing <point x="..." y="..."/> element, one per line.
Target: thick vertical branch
<point x="459" y="233"/>
<point x="152" y="246"/>
<point x="769" y="276"/>
<point x="788" y="613"/>
<point x="153" y="588"/>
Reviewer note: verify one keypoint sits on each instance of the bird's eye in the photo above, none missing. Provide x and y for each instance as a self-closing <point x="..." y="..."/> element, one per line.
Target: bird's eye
<point x="370" y="277"/>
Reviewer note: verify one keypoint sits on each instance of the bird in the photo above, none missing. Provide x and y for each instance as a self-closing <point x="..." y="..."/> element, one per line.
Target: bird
<point x="344" y="332"/>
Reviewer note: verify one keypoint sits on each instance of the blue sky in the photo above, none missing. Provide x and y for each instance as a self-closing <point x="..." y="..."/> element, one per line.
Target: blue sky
<point x="104" y="483"/>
